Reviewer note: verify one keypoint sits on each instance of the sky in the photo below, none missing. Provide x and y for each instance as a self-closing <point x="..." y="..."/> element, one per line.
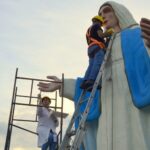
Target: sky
<point x="40" y="38"/>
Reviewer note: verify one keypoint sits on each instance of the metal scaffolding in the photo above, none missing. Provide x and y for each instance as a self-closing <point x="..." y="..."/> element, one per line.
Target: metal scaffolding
<point x="30" y="101"/>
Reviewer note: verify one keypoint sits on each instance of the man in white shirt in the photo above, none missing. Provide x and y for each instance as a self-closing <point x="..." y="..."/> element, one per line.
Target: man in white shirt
<point x="47" y="121"/>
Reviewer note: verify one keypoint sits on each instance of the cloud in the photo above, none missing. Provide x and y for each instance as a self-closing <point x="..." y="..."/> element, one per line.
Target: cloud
<point x="3" y="128"/>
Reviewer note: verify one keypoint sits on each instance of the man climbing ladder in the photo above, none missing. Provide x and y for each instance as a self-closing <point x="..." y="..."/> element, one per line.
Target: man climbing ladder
<point x="74" y="144"/>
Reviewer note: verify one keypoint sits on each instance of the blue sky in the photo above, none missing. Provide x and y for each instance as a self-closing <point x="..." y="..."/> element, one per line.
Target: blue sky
<point x="45" y="37"/>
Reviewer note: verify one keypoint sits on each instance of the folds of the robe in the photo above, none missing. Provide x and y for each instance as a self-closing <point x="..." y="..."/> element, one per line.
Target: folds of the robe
<point x="137" y="66"/>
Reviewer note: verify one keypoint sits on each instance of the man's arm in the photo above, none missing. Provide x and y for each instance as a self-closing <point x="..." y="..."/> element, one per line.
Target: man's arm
<point x="54" y="118"/>
<point x="39" y="108"/>
<point x="107" y="33"/>
<point x="58" y="114"/>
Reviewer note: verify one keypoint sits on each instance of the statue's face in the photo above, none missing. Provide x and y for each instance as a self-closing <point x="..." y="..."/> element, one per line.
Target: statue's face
<point x="110" y="19"/>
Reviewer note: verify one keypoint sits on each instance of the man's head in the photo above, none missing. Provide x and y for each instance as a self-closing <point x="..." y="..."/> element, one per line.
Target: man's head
<point x="46" y="101"/>
<point x="97" y="19"/>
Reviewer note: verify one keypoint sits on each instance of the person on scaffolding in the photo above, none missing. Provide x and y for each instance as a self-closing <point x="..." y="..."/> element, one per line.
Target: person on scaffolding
<point x="47" y="123"/>
<point x="96" y="40"/>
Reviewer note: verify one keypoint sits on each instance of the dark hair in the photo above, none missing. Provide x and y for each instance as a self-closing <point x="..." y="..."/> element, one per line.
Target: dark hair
<point x="96" y="20"/>
<point x="46" y="98"/>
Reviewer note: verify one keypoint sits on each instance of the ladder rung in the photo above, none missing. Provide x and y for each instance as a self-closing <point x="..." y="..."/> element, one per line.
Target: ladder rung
<point x="83" y="101"/>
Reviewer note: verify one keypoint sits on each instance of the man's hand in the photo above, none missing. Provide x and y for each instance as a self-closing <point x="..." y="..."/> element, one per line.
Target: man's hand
<point x="145" y="27"/>
<point x="109" y="31"/>
<point x="52" y="86"/>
